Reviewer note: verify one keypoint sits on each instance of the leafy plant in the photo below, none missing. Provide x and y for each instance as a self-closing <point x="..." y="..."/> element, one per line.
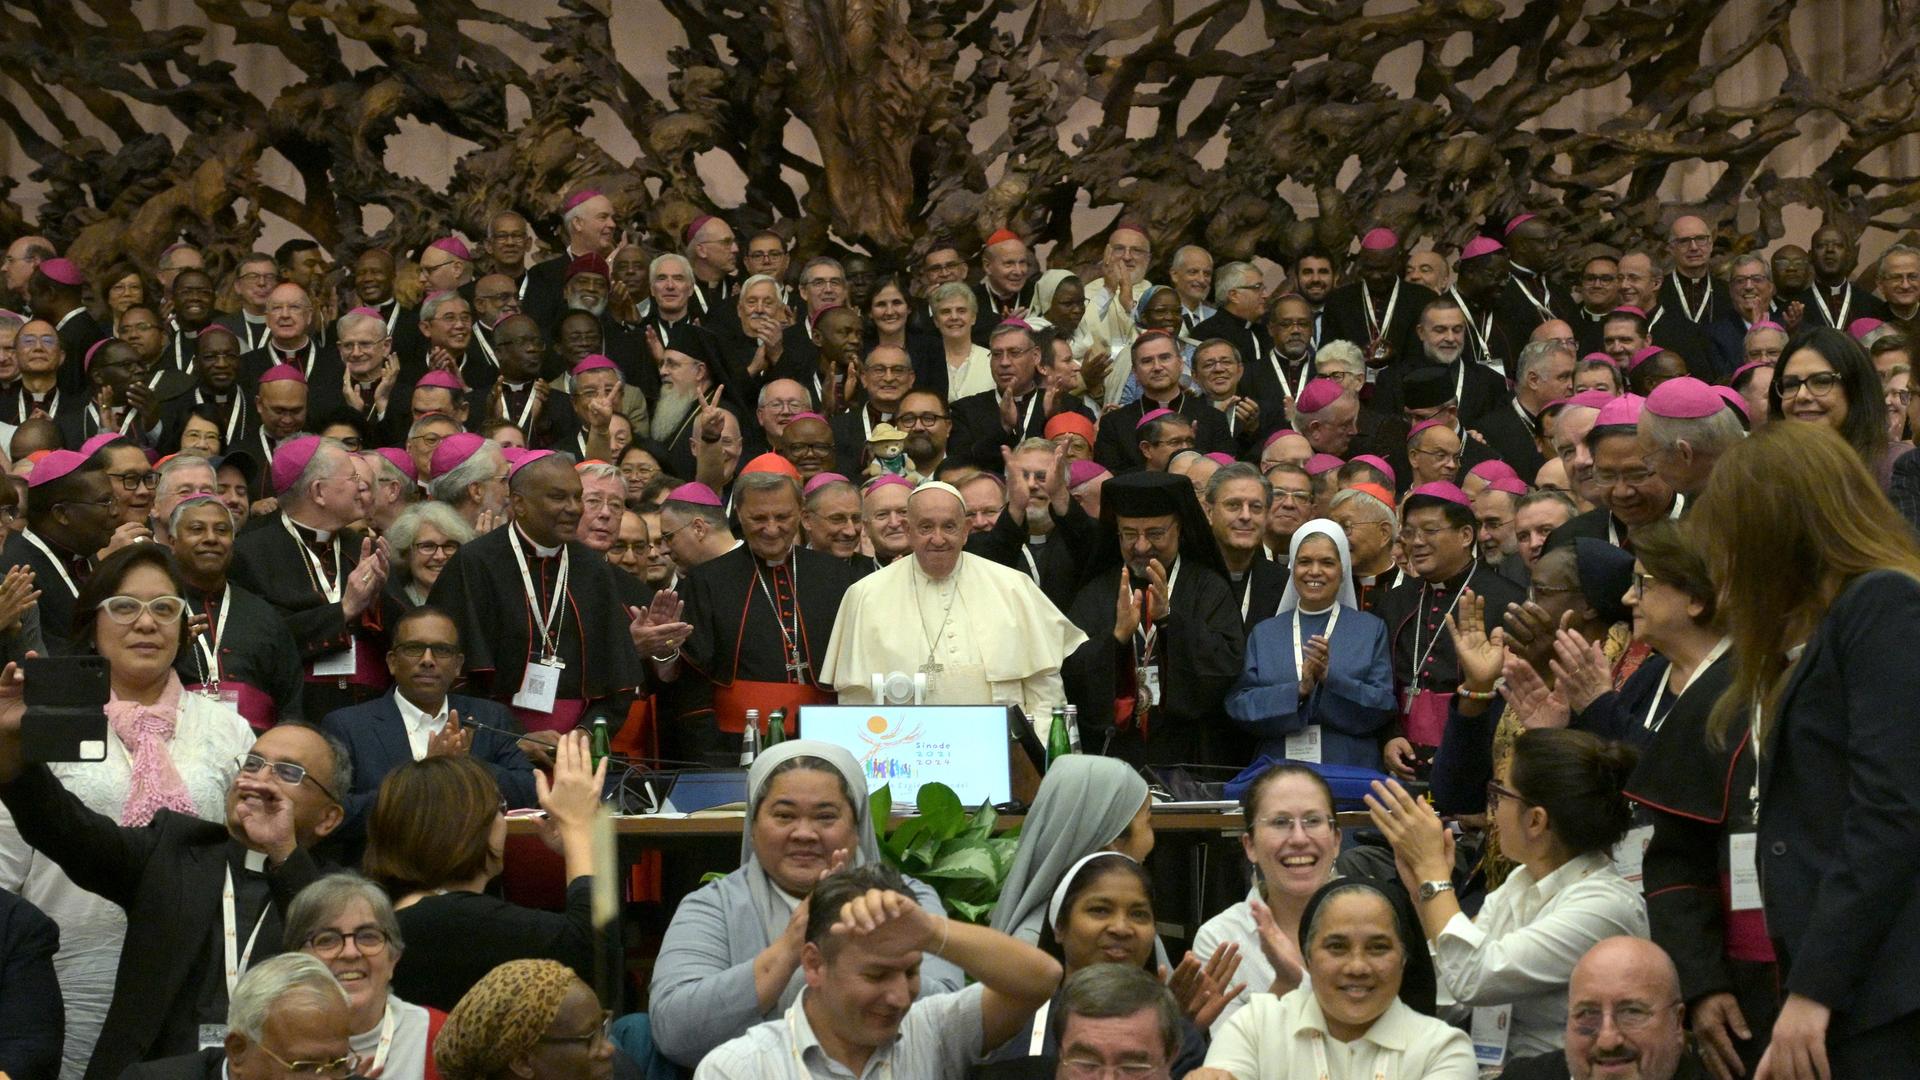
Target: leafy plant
<point x="955" y="853"/>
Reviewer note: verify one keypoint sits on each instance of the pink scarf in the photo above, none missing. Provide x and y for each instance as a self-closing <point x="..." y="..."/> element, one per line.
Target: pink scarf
<point x="147" y="731"/>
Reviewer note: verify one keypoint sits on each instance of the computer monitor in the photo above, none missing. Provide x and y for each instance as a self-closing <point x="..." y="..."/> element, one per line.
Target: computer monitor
<point x="905" y="746"/>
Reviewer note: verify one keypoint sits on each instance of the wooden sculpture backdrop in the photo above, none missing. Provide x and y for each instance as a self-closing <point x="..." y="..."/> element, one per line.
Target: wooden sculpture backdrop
<point x="891" y="92"/>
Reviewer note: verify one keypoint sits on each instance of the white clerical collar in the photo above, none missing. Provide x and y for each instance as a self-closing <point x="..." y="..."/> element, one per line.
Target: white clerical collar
<point x="538" y="549"/>
<point x="417" y="718"/>
<point x="321" y="535"/>
<point x="256" y="861"/>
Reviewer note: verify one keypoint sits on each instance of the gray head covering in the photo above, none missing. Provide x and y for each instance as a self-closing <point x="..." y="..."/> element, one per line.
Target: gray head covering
<point x="1044" y="289"/>
<point x="1084" y="803"/>
<point x="774" y="912"/>
<point x="1332" y="531"/>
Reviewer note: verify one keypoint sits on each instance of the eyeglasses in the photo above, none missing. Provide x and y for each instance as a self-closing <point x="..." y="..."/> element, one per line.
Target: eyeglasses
<point x="1155" y="536"/>
<point x="1497" y="791"/>
<point x="1749" y="279"/>
<point x="126" y="610"/>
<point x="635" y="547"/>
<point x="414" y="650"/>
<point x="254" y="279"/>
<point x="1629" y="477"/>
<point x="1640" y="583"/>
<point x="1899" y="397"/>
<point x="666" y="535"/>
<point x="368" y="940"/>
<point x="1819" y="385"/>
<point x="1691" y="241"/>
<point x="336" y="1069"/>
<point x="1438" y="454"/>
<point x="287" y="772"/>
<point x="1629" y="1017"/>
<point x="1912" y="277"/>
<point x="765" y="256"/>
<point x="1089" y="1069"/>
<point x="1291" y="495"/>
<point x="107" y="503"/>
<point x="821" y="282"/>
<point x="28" y="341"/>
<point x="1311" y="824"/>
<point x="923" y="420"/>
<point x="1600" y="279"/>
<point x="1430" y="532"/>
<point x="598" y="1036"/>
<point x="353" y="347"/>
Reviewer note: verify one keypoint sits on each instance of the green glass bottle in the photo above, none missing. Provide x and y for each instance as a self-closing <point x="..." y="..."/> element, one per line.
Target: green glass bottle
<point x="776" y="728"/>
<point x="602" y="741"/>
<point x="1059" y="744"/>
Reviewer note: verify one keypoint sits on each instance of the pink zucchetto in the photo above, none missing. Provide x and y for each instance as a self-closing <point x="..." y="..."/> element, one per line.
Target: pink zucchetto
<point x="1379" y="240"/>
<point x="1318" y="394"/>
<point x="1481" y="245"/>
<point x="701" y="495"/>
<point x="1685" y="398"/>
<point x="1623" y="411"/>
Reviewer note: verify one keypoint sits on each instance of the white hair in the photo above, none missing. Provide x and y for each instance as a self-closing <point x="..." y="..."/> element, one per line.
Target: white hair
<point x="290" y="978"/>
<point x="671" y="256"/>
<point x="450" y="487"/>
<point x="1344" y="353"/>
<point x="1232" y="276"/>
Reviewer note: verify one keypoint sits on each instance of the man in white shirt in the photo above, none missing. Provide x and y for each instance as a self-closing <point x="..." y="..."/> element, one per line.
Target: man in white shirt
<point x="859" y="1017"/>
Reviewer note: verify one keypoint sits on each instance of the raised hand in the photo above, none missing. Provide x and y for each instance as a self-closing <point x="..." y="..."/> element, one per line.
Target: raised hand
<point x="1313" y="664"/>
<point x="1126" y="612"/>
<point x="264" y="812"/>
<point x="1415" y="831"/>
<point x="1532" y="702"/>
<point x="1480" y="653"/>
<point x="17" y="594"/>
<point x="1282" y="954"/>
<point x="1530" y="631"/>
<point x="1580" y="669"/>
<point x="658" y="628"/>
<point x="364" y="583"/>
<point x="453" y="740"/>
<point x="1157" y="591"/>
<point x="1201" y="990"/>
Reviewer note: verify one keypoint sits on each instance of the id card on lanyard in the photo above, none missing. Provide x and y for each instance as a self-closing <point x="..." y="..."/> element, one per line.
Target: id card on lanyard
<point x="540" y="686"/>
<point x="234" y="958"/>
<point x="1304" y="745"/>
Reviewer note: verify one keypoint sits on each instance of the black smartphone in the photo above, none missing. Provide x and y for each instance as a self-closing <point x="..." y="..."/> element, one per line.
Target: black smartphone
<point x="66" y="717"/>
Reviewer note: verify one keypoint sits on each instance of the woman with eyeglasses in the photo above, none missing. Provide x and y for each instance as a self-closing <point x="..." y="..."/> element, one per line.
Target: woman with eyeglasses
<point x="527" y="1020"/>
<point x="1557" y="807"/>
<point x="347" y="923"/>
<point x="424" y="538"/>
<point x="1292" y="838"/>
<point x="437" y="836"/>
<point x="1826" y="378"/>
<point x="167" y="749"/>
<point x="639" y="466"/>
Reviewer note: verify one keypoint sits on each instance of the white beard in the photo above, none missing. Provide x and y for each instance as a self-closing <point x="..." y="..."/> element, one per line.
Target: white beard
<point x="673" y="407"/>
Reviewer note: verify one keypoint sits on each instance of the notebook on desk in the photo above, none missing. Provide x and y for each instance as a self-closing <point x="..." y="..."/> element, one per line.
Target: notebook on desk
<point x="907" y="746"/>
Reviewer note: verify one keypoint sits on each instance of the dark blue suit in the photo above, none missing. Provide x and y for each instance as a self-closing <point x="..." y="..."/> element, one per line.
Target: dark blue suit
<point x="376" y="740"/>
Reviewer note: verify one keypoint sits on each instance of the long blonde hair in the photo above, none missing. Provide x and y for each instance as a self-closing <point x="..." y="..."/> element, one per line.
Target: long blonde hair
<point x="1790" y="517"/>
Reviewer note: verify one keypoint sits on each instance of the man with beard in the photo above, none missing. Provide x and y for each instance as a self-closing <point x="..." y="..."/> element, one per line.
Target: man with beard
<point x="886" y="376"/>
<point x="1642" y="288"/>
<point x="1429" y="269"/>
<point x="1040" y="531"/>
<point x="1237" y="497"/>
<point x="290" y="340"/>
<point x="1899" y="276"/>
<point x="1529" y="297"/>
<point x="504" y="251"/>
<point x="1691" y="291"/>
<point x="590" y="225"/>
<point x="1378" y="311"/>
<point x="686" y="388"/>
<point x="539" y="612"/>
<point x="1621" y="974"/>
<point x="1599" y="295"/>
<point x="469" y="473"/>
<point x="1018" y="406"/>
<point x="923" y="416"/>
<point x="1443" y="335"/>
<point x="1543" y="375"/>
<point x="1315" y="278"/>
<point x="1439" y="532"/>
<point x="1005" y="288"/>
<point x="1191" y="275"/>
<point x="1831" y="299"/>
<point x="1495" y="508"/>
<point x="192" y="307"/>
<point x="245" y="655"/>
<point x="1630" y="492"/>
<point x="1157" y="663"/>
<point x="1126" y="430"/>
<point x="1112" y="297"/>
<point x="830" y="519"/>
<point x="1268" y="379"/>
<point x="1750" y="293"/>
<point x="760" y="618"/>
<point x="979" y="633"/>
<point x="1365" y="513"/>
<point x="521" y="395"/>
<point x="54" y="291"/>
<point x="322" y="577"/>
<point x="714" y="255"/>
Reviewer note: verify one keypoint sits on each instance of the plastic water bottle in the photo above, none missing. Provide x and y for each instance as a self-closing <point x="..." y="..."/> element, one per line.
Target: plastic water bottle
<point x="750" y="738"/>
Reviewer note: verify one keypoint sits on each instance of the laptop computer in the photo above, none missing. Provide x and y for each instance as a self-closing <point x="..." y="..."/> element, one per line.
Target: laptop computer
<point x="907" y="746"/>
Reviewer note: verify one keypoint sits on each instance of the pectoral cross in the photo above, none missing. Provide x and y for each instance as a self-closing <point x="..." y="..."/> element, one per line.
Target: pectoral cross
<point x="796" y="667"/>
<point x="930" y="666"/>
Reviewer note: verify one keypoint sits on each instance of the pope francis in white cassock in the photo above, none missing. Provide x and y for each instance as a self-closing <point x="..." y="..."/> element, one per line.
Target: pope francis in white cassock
<point x="980" y="633"/>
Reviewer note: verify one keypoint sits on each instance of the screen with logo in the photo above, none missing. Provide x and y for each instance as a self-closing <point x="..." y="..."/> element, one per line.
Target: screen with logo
<point x="905" y="746"/>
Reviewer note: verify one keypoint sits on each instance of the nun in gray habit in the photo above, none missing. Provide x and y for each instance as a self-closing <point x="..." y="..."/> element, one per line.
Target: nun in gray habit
<point x="1085" y="804"/>
<point x="703" y="988"/>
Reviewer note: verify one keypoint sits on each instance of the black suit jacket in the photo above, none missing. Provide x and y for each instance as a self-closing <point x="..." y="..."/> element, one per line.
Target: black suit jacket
<point x="32" y="1023"/>
<point x="1117" y="442"/>
<point x="1344" y="318"/>
<point x="376" y="741"/>
<point x="204" y="1065"/>
<point x="168" y="876"/>
<point x="77" y="335"/>
<point x="1839" y="836"/>
<point x="977" y="436"/>
<point x="1511" y="437"/>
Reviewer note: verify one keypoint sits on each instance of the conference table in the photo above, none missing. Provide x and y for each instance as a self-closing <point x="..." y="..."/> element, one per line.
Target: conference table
<point x="642" y="831"/>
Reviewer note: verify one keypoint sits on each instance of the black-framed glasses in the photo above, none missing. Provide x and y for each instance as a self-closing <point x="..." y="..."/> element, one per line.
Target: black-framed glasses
<point x="1640" y="583"/>
<point x="126" y="610"/>
<point x="369" y="940"/>
<point x="598" y="1035"/>
<point x="287" y="772"/>
<point x="1819" y="384"/>
<point x="107" y="503"/>
<point x="914" y="420"/>
<point x="337" y="1069"/>
<point x="414" y="650"/>
<point x="1497" y="791"/>
<point x="134" y="481"/>
<point x="427" y="549"/>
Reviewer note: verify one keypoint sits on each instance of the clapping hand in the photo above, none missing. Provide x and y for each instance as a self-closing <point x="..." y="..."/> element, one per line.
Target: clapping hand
<point x="1580" y="669"/>
<point x="1532" y="702"/>
<point x="1201" y="990"/>
<point x="1480" y="653"/>
<point x="454" y="740"/>
<point x="17" y="594"/>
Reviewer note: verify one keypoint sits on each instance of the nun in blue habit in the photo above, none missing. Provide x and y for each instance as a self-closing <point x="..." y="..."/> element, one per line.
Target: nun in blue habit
<point x="1343" y="712"/>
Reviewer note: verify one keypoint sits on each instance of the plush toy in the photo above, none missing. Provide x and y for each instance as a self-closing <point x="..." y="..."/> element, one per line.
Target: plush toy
<point x="887" y="453"/>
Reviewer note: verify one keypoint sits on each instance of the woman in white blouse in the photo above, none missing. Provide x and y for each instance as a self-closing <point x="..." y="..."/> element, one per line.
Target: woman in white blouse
<point x="1355" y="1020"/>
<point x="1292" y="840"/>
<point x="167" y="749"/>
<point x="1558" y="809"/>
<point x="968" y="369"/>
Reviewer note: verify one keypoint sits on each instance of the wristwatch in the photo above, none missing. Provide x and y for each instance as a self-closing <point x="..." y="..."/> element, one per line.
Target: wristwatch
<point x="1431" y="889"/>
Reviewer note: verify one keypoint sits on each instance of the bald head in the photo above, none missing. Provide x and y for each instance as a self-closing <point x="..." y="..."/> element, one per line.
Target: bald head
<point x="1618" y="979"/>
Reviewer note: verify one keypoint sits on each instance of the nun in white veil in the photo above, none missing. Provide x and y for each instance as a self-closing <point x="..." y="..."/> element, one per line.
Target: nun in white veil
<point x="1317" y="682"/>
<point x="728" y="961"/>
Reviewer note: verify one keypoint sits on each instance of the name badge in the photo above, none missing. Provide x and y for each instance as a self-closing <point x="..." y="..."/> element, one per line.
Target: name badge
<point x="335" y="665"/>
<point x="538" y="688"/>
<point x="1491" y="1024"/>
<point x="1148" y="680"/>
<point x="1630" y="854"/>
<point x="1743" y="868"/>
<point x="1305" y="745"/>
<point x="212" y="1035"/>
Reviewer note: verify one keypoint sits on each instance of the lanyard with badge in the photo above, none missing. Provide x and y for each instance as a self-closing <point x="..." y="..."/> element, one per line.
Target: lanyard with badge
<point x="1838" y="322"/>
<point x="59" y="567"/>
<point x="387" y="1025"/>
<point x="541" y="684"/>
<point x="235" y="958"/>
<point x="1304" y="745"/>
<point x="338" y="665"/>
<point x="1706" y="299"/>
<point x="209" y="653"/>
<point x="1377" y="325"/>
<point x="1146" y="640"/>
<point x="1540" y="303"/>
